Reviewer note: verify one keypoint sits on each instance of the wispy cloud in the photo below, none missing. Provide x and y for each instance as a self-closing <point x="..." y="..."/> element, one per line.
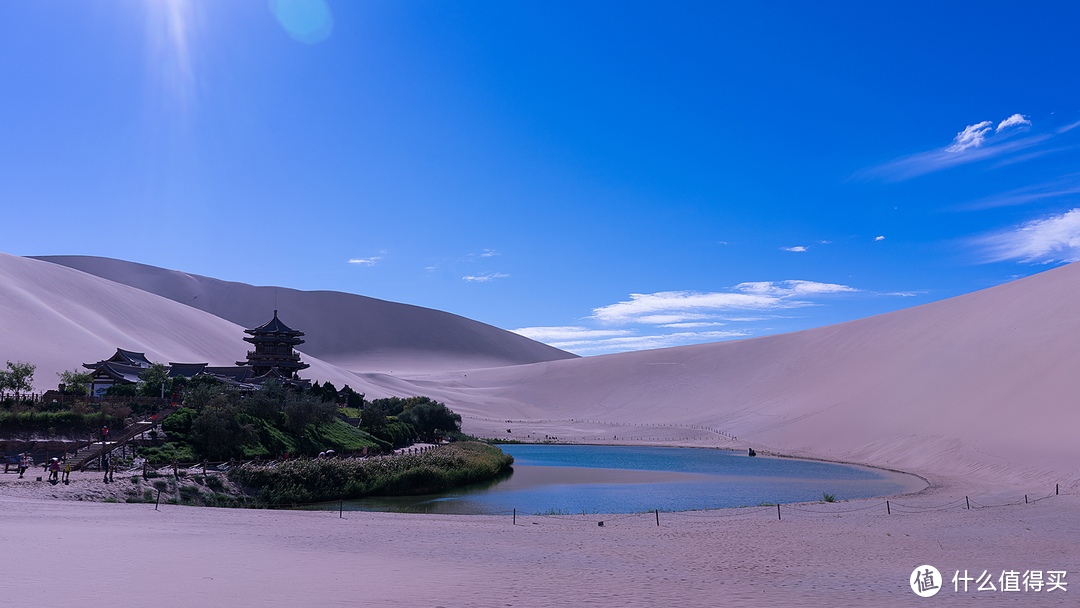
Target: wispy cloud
<point x="980" y="141"/>
<point x="762" y="295"/>
<point x="1013" y="121"/>
<point x="1044" y="241"/>
<point x="971" y="137"/>
<point x="1065" y="185"/>
<point x="484" y="277"/>
<point x="583" y="341"/>
<point x="879" y="238"/>
<point x="366" y="261"/>
<point x="677" y="318"/>
<point x="488" y="253"/>
<point x="798" y="248"/>
<point x="568" y="333"/>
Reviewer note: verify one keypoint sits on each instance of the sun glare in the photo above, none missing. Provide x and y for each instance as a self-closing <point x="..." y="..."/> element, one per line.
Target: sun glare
<point x="169" y="29"/>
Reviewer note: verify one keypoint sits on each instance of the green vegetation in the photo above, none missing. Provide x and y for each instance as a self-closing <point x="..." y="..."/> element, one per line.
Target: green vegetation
<point x="74" y="382"/>
<point x="18" y="378"/>
<point x="69" y="422"/>
<point x="308" y="481"/>
<point x="828" y="497"/>
<point x="219" y="423"/>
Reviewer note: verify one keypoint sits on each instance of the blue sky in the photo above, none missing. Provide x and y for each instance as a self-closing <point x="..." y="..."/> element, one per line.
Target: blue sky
<point x="602" y="176"/>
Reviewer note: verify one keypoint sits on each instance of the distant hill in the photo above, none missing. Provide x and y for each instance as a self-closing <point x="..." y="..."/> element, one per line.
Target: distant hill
<point x="354" y="332"/>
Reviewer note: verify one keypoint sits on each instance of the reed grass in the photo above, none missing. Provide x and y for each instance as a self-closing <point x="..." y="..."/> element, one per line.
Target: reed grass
<point x="310" y="481"/>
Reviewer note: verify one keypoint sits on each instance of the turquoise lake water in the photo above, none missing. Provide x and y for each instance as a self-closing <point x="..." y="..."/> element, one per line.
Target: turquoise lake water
<point x="623" y="479"/>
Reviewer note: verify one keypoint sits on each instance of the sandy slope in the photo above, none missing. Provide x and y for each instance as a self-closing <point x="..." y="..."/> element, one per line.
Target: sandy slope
<point x="982" y="387"/>
<point x="351" y="331"/>
<point x="59" y="318"/>
<point x="979" y="389"/>
<point x="64" y="553"/>
<point x="977" y="393"/>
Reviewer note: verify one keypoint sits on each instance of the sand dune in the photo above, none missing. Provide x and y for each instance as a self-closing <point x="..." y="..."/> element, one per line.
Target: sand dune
<point x="351" y="331"/>
<point x="977" y="389"/>
<point x="58" y="318"/>
<point x="980" y="387"/>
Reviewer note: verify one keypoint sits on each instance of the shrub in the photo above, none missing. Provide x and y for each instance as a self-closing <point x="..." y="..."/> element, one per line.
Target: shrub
<point x="828" y="497"/>
<point x="214" y="483"/>
<point x="305" y="481"/>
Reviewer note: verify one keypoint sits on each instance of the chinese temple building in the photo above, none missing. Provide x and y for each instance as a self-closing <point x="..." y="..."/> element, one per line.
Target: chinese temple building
<point x="273" y="358"/>
<point x="274" y="343"/>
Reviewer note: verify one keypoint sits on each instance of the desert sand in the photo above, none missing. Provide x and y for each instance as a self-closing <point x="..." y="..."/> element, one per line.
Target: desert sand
<point x="63" y="553"/>
<point x="976" y="394"/>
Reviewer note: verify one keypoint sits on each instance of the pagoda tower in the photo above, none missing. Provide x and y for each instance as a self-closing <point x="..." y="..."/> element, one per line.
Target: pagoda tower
<point x="274" y="342"/>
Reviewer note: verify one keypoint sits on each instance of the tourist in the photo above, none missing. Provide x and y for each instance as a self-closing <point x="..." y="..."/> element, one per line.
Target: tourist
<point x="67" y="473"/>
<point x="54" y="470"/>
<point x="24" y="463"/>
<point x="106" y="464"/>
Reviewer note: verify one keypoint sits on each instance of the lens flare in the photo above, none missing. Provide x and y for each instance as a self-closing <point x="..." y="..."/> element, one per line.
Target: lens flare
<point x="308" y="21"/>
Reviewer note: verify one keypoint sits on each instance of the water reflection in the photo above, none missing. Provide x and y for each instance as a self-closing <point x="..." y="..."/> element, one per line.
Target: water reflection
<point x="620" y="479"/>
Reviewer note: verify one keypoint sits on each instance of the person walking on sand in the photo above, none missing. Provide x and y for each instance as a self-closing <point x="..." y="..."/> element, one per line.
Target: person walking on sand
<point x="24" y="463"/>
<point x="54" y="470"/>
<point x="67" y="473"/>
<point x="106" y="464"/>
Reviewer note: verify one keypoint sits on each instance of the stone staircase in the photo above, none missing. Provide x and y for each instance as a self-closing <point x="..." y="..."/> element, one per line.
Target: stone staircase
<point x="89" y="457"/>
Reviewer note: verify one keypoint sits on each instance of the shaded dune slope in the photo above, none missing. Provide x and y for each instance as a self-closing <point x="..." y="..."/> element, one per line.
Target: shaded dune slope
<point x="59" y="318"/>
<point x="354" y="332"/>
<point x="985" y="385"/>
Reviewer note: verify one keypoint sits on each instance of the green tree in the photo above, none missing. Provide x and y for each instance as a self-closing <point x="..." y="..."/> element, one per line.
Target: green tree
<point x="431" y="418"/>
<point x="75" y="382"/>
<point x="152" y="379"/>
<point x="19" y="378"/>
<point x="304" y="409"/>
<point x="219" y="432"/>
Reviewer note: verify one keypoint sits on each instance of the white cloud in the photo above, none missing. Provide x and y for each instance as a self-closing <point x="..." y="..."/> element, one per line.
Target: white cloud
<point x="763" y="295"/>
<point x="484" y="278"/>
<point x="1052" y="239"/>
<point x="975" y="143"/>
<point x="635" y="342"/>
<point x="798" y="248"/>
<point x="787" y="289"/>
<point x="1012" y="121"/>
<point x="488" y="253"/>
<point x="567" y="333"/>
<point x="695" y="324"/>
<point x="671" y="318"/>
<point x="366" y="261"/>
<point x="879" y="238"/>
<point x="971" y="137"/>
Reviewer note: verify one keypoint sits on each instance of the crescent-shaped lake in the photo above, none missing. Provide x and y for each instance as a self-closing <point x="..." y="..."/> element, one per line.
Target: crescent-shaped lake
<point x="564" y="479"/>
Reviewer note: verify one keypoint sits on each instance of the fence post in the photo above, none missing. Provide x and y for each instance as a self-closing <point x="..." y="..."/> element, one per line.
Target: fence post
<point x="515" y="516"/>
<point x="341" y="507"/>
<point x="658" y="518"/>
<point x="968" y="504"/>
<point x="888" y="511"/>
<point x="1025" y="502"/>
<point x="158" y="502"/>
<point x="778" y="512"/>
<point x="1056" y="487"/>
